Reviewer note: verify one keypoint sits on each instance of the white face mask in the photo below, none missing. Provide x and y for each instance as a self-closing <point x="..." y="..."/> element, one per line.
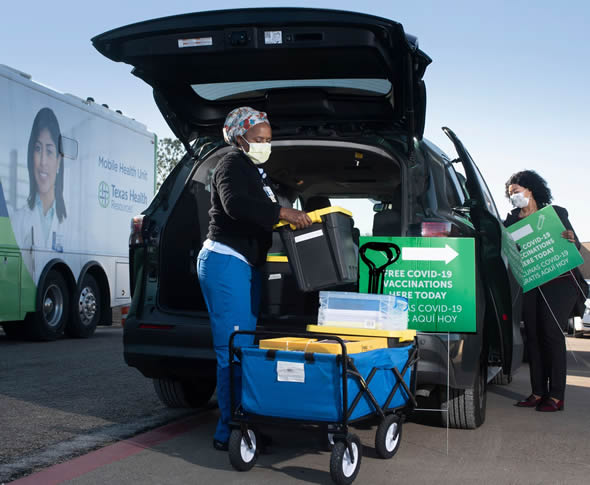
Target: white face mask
<point x="258" y="153"/>
<point x="519" y="200"/>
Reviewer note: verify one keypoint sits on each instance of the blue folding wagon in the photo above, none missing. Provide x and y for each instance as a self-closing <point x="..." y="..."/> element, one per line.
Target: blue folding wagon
<point x="298" y="388"/>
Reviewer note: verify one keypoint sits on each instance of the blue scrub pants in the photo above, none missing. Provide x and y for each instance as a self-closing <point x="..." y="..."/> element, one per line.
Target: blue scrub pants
<point x="231" y="289"/>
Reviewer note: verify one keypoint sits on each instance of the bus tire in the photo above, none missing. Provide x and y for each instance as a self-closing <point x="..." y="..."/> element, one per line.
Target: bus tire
<point x="85" y="309"/>
<point x="50" y="320"/>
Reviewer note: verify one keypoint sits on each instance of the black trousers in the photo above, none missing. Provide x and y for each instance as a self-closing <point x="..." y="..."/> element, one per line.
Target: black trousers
<point x="544" y="321"/>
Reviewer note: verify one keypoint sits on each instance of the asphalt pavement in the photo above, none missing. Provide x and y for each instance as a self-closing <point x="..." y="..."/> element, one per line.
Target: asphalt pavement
<point x="60" y="399"/>
<point x="513" y="446"/>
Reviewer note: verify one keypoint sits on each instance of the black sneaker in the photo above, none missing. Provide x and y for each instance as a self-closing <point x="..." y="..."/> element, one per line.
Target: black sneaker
<point x="220" y="445"/>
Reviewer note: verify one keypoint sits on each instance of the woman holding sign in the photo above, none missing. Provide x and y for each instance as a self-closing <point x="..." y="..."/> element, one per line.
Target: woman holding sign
<point x="546" y="308"/>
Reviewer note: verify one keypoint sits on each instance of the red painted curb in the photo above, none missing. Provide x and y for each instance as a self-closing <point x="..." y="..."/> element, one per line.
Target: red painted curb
<point x="76" y="467"/>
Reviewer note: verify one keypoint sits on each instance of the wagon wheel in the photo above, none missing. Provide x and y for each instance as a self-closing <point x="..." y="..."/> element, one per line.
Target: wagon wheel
<point x="388" y="436"/>
<point x="241" y="456"/>
<point x="344" y="465"/>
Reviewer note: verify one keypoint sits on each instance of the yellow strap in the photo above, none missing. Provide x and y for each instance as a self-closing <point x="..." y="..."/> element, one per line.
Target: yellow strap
<point x="316" y="216"/>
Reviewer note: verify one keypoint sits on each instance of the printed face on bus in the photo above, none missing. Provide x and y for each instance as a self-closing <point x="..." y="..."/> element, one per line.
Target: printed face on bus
<point x="47" y="162"/>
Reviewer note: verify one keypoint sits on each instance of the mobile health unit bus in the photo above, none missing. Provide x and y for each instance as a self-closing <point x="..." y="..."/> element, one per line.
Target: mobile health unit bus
<point x="72" y="175"/>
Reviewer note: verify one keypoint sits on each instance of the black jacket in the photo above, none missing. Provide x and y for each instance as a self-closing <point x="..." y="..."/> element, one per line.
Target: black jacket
<point x="242" y="214"/>
<point x="580" y="283"/>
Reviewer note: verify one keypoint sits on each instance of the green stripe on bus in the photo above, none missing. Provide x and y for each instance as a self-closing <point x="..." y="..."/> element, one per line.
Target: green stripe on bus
<point x="16" y="308"/>
<point x="7" y="239"/>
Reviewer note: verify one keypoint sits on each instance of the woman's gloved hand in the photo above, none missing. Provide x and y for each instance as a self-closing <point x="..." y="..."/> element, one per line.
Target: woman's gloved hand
<point x="293" y="216"/>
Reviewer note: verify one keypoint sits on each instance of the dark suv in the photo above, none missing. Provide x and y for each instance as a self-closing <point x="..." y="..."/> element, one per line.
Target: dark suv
<point x="347" y="103"/>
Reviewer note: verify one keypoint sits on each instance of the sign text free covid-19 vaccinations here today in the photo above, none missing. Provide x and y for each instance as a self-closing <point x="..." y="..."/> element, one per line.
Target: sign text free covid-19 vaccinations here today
<point x="544" y="254"/>
<point x="436" y="275"/>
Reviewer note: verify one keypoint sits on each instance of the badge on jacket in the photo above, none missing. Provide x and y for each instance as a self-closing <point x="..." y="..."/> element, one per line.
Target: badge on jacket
<point x="270" y="193"/>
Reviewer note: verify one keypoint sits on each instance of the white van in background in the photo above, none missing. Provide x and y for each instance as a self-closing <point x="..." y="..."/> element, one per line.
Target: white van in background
<point x="72" y="175"/>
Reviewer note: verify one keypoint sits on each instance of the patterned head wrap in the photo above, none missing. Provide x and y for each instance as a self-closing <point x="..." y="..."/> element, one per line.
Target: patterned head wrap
<point x="239" y="121"/>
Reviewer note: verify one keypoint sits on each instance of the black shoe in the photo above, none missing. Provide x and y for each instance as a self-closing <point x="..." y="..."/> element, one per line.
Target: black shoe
<point x="549" y="405"/>
<point x="529" y="402"/>
<point x="220" y="445"/>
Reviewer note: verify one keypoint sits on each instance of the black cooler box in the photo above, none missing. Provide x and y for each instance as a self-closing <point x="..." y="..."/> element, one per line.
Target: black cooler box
<point x="323" y="255"/>
<point x="280" y="295"/>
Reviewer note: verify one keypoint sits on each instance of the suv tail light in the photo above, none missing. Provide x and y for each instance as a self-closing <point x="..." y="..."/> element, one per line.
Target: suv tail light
<point x="136" y="236"/>
<point x="436" y="229"/>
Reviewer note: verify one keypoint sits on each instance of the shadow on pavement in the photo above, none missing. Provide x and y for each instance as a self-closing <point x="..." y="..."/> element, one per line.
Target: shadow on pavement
<point x="504" y="391"/>
<point x="287" y="446"/>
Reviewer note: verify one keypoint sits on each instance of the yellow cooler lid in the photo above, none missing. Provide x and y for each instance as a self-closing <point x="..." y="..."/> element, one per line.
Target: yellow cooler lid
<point x="316" y="216"/>
<point x="402" y="335"/>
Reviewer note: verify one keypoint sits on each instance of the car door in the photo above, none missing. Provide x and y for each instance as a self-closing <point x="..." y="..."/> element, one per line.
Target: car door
<point x="504" y="294"/>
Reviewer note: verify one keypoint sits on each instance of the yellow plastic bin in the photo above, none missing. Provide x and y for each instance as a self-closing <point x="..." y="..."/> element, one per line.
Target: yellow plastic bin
<point x="394" y="338"/>
<point x="354" y="345"/>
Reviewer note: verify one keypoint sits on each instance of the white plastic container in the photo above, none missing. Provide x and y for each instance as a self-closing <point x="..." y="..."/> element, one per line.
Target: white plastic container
<point x="358" y="310"/>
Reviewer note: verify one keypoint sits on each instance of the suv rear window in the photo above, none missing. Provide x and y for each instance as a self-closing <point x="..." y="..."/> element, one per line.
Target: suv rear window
<point x="254" y="89"/>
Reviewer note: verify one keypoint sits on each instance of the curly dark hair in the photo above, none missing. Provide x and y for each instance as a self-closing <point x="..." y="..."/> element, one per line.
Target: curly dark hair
<point x="529" y="179"/>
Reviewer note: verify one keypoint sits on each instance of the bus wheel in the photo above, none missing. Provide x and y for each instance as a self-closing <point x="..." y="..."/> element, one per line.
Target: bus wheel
<point x="49" y="321"/>
<point x="86" y="309"/>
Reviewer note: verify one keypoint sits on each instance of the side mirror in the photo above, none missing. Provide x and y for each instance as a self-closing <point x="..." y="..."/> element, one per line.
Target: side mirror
<point x="379" y="207"/>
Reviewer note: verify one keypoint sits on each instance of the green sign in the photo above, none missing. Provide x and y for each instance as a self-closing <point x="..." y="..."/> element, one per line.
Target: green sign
<point x="510" y="251"/>
<point x="436" y="275"/>
<point x="544" y="254"/>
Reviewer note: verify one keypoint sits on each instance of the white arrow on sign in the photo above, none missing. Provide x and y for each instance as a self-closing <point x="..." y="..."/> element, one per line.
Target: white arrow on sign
<point x="446" y="254"/>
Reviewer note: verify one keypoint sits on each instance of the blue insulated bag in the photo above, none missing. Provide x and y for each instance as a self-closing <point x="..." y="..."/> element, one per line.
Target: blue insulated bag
<point x="284" y="384"/>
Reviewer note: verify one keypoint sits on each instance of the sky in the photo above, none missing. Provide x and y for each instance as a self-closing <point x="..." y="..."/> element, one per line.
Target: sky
<point x="508" y="77"/>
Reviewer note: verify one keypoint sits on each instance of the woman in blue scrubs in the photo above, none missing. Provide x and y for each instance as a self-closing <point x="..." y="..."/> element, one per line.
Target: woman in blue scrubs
<point x="243" y="211"/>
